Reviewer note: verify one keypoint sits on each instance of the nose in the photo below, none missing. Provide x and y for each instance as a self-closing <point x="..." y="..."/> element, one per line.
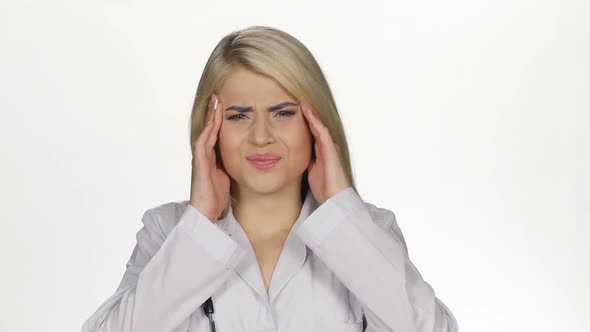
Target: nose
<point x="261" y="132"/>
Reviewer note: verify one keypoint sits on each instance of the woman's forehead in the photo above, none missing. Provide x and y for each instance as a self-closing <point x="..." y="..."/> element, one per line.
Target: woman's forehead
<point x="248" y="88"/>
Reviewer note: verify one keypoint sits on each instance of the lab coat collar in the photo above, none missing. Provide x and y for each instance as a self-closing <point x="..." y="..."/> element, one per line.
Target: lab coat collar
<point x="290" y="261"/>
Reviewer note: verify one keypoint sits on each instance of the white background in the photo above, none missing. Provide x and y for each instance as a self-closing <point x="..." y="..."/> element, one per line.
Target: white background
<point x="468" y="119"/>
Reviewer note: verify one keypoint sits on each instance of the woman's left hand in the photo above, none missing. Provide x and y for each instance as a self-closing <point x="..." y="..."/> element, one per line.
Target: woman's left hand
<point x="325" y="174"/>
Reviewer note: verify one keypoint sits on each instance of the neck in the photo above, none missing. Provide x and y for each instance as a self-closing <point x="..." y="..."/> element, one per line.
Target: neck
<point x="268" y="215"/>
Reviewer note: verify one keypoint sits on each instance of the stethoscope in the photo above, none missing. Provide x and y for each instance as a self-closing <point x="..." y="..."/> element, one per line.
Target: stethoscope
<point x="209" y="310"/>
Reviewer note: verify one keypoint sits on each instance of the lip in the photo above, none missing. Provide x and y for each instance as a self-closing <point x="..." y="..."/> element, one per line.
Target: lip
<point x="263" y="161"/>
<point x="263" y="157"/>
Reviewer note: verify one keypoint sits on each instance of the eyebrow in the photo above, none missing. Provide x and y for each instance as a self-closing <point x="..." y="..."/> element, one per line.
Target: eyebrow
<point x="270" y="109"/>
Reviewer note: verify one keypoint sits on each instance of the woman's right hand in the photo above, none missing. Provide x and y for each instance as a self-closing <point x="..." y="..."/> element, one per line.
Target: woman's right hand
<point x="210" y="184"/>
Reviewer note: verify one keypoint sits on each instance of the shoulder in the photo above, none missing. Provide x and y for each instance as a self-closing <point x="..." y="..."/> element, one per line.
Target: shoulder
<point x="386" y="220"/>
<point x="383" y="217"/>
<point x="350" y="201"/>
<point x="163" y="218"/>
<point x="158" y="222"/>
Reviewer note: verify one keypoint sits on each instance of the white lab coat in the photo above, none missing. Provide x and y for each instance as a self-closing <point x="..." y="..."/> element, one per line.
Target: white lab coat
<point x="340" y="259"/>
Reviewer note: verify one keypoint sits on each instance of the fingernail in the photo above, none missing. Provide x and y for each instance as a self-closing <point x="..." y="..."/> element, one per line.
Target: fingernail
<point x="214" y="109"/>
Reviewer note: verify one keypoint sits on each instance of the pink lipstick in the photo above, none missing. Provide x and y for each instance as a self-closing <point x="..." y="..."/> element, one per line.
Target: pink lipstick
<point x="263" y="161"/>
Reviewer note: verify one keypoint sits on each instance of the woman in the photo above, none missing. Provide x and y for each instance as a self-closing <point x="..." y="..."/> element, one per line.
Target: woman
<point x="274" y="234"/>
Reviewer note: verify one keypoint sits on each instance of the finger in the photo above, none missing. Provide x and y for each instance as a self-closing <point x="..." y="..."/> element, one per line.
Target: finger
<point x="216" y="123"/>
<point x="322" y="131"/>
<point x="213" y="159"/>
<point x="321" y="143"/>
<point x="316" y="138"/>
<point x="200" y="144"/>
<point x="313" y="121"/>
<point x="209" y="113"/>
<point x="310" y="166"/>
<point x="318" y="151"/>
<point x="304" y="110"/>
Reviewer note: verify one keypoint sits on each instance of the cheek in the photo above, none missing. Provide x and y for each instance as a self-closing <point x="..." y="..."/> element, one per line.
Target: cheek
<point x="229" y="136"/>
<point x="229" y="144"/>
<point x="305" y="135"/>
<point x="300" y="141"/>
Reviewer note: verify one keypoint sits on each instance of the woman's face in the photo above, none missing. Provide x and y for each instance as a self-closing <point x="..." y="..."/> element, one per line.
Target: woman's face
<point x="270" y="122"/>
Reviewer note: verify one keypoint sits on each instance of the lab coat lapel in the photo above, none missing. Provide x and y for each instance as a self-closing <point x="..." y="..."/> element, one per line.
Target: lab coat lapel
<point x="290" y="261"/>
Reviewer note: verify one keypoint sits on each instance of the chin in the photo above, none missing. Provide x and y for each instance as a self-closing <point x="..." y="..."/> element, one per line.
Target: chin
<point x="265" y="183"/>
<point x="265" y="186"/>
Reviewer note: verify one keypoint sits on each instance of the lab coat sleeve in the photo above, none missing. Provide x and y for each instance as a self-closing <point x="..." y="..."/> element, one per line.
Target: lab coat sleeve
<point x="364" y="247"/>
<point x="168" y="276"/>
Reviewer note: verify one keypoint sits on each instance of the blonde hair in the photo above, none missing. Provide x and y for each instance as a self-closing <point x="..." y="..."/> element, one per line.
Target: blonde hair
<point x="276" y="54"/>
